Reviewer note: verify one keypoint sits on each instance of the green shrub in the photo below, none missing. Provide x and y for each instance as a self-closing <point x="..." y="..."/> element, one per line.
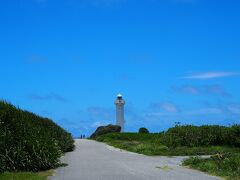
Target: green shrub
<point x="234" y="136"/>
<point x="29" y="142"/>
<point x="192" y="136"/>
<point x="219" y="164"/>
<point x="143" y="130"/>
<point x="129" y="137"/>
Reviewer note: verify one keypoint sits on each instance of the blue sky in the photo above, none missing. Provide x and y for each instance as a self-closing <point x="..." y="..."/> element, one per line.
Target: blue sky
<point x="173" y="61"/>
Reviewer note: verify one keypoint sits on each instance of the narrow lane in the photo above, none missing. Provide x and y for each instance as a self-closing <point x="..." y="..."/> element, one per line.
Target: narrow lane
<point x="96" y="161"/>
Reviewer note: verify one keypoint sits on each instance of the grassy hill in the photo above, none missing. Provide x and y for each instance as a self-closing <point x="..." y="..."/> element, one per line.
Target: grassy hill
<point x="29" y="142"/>
<point x="180" y="140"/>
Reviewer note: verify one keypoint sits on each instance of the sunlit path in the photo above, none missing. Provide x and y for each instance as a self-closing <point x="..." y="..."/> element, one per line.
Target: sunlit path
<point x="96" y="161"/>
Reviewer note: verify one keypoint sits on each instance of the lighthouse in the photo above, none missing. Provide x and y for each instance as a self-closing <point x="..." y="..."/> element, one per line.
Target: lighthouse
<point x="120" y="102"/>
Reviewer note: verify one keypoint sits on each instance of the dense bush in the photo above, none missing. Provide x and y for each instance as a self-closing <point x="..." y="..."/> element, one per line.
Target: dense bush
<point x="143" y="130"/>
<point x="219" y="164"/>
<point x="105" y="130"/>
<point x="193" y="136"/>
<point x="29" y="142"/>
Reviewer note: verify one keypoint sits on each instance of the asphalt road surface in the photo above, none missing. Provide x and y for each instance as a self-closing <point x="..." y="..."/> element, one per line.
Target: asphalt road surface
<point x="97" y="161"/>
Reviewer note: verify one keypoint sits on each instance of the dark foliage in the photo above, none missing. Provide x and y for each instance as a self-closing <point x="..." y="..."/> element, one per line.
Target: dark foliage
<point x="195" y="136"/>
<point x="143" y="130"/>
<point x="29" y="142"/>
<point x="105" y="130"/>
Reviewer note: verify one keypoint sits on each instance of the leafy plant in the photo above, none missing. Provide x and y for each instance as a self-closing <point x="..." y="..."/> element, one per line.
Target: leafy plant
<point x="227" y="165"/>
<point x="195" y="136"/>
<point x="29" y="142"/>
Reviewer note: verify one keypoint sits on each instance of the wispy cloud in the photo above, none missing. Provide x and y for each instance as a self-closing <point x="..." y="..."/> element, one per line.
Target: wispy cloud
<point x="188" y="113"/>
<point x="210" y="75"/>
<point x="165" y="106"/>
<point x="48" y="97"/>
<point x="188" y="89"/>
<point x="217" y="89"/>
<point x="101" y="112"/>
<point x="214" y="89"/>
<point x="234" y="108"/>
<point x="204" y="111"/>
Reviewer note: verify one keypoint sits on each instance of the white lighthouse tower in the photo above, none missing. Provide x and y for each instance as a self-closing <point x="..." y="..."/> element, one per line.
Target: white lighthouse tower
<point x="120" y="102"/>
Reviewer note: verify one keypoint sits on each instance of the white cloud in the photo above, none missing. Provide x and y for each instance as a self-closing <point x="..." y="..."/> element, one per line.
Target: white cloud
<point x="210" y="75"/>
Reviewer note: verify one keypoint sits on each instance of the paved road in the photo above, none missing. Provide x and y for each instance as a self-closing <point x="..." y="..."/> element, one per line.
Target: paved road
<point x="96" y="161"/>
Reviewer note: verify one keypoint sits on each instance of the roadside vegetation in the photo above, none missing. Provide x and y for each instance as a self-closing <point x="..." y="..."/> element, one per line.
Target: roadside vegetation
<point x="225" y="165"/>
<point x="29" y="142"/>
<point x="223" y="143"/>
<point x="179" y="141"/>
<point x="26" y="175"/>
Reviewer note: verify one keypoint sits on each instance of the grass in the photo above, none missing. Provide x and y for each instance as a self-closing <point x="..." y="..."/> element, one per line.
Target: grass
<point x="151" y="144"/>
<point x="227" y="166"/>
<point x="165" y="168"/>
<point x="26" y="175"/>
